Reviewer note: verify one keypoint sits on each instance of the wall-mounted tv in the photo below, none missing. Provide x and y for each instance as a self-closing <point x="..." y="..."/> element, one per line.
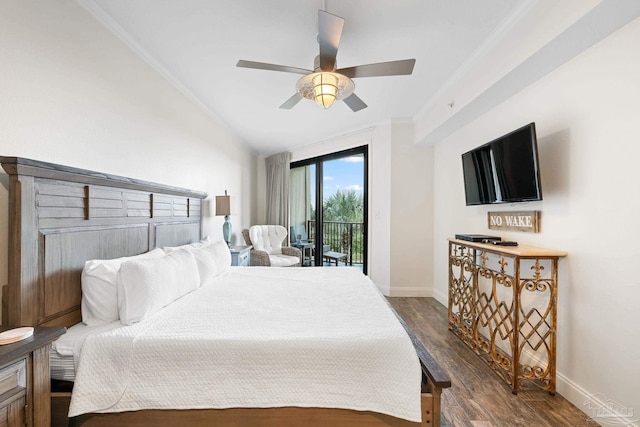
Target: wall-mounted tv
<point x="504" y="170"/>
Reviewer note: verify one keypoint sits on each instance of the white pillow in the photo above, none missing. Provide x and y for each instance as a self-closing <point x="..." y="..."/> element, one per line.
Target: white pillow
<point x="145" y="286"/>
<point x="222" y="256"/>
<point x="212" y="260"/>
<point x="204" y="242"/>
<point x="99" y="289"/>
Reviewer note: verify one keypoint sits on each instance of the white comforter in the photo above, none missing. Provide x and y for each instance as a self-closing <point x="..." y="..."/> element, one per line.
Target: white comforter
<point x="258" y="337"/>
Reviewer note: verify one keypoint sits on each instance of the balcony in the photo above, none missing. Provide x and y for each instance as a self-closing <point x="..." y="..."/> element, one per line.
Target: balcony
<point x="343" y="237"/>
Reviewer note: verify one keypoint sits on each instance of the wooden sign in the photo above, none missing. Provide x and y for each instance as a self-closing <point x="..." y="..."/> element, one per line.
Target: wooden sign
<point x="515" y="221"/>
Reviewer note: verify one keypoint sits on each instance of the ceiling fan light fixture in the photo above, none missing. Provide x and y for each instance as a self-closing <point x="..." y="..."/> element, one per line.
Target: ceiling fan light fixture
<point x="325" y="87"/>
<point x="327" y="83"/>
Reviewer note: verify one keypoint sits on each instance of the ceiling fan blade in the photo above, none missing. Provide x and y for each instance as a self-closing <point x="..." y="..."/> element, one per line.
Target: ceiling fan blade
<point x="291" y="102"/>
<point x="273" y="67"/>
<point x="329" y="34"/>
<point x="355" y="103"/>
<point x="392" y="68"/>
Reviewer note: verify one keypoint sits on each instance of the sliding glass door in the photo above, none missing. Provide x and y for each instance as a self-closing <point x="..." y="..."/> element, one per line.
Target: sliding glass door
<point x="328" y="215"/>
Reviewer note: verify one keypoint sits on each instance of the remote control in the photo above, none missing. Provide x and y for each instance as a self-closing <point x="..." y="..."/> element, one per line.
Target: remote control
<point x="505" y="243"/>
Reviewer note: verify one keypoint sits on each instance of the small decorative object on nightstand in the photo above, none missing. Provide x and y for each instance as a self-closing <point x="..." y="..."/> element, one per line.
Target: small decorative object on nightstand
<point x="223" y="207"/>
<point x="240" y="255"/>
<point x="24" y="378"/>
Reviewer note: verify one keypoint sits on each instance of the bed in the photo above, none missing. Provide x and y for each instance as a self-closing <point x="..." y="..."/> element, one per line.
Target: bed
<point x="55" y="210"/>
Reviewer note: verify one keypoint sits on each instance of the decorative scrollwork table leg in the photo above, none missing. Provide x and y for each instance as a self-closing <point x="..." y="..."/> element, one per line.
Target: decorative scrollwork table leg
<point x="503" y="305"/>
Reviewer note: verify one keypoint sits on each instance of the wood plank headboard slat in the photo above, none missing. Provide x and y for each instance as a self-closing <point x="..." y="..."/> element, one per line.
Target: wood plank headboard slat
<point x="35" y="168"/>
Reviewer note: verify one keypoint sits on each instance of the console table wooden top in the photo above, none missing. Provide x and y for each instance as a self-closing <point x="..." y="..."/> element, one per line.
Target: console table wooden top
<point x="522" y="251"/>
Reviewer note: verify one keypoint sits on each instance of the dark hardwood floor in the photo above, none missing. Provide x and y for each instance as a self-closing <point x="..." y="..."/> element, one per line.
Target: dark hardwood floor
<point x="478" y="397"/>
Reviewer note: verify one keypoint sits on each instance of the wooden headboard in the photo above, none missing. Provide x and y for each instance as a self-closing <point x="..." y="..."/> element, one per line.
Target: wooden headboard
<point x="60" y="217"/>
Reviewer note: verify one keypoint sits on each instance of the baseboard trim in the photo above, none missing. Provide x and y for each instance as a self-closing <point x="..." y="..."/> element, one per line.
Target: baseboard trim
<point x="441" y="297"/>
<point x="596" y="405"/>
<point x="564" y="386"/>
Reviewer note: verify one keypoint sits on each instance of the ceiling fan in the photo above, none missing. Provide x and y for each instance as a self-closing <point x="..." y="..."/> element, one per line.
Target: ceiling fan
<point x="325" y="84"/>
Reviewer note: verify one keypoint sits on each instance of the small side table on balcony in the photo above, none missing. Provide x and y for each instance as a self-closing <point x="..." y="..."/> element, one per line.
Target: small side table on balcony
<point x="305" y="245"/>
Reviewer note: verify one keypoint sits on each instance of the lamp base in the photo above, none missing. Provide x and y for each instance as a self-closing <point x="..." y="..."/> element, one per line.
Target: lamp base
<point x="226" y="230"/>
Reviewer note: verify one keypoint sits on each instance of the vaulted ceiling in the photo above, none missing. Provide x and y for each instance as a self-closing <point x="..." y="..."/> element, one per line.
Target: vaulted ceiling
<point x="197" y="43"/>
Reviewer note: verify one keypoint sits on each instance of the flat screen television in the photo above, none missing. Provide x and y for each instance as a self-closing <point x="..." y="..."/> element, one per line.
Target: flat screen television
<point x="504" y="170"/>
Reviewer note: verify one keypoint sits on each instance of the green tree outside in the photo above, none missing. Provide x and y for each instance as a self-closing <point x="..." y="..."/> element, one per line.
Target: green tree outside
<point x="345" y="208"/>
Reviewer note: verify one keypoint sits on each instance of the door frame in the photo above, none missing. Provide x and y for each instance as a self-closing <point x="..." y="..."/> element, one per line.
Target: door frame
<point x="318" y="162"/>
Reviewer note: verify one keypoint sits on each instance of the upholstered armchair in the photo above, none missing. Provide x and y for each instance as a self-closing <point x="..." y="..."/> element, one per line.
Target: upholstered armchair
<point x="268" y="249"/>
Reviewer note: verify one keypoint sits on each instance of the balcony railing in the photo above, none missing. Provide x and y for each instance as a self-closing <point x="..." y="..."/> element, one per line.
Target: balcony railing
<point x="343" y="237"/>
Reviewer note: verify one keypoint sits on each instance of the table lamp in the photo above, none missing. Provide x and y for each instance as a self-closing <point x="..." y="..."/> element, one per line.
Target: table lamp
<point x="223" y="207"/>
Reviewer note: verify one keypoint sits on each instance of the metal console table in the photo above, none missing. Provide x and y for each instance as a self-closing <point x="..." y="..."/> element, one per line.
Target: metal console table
<point x="502" y="304"/>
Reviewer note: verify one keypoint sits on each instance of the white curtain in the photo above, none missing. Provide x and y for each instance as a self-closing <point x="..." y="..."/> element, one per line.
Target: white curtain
<point x="277" y="167"/>
<point x="299" y="198"/>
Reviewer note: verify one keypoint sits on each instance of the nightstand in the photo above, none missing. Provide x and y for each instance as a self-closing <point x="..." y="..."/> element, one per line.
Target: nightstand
<point x="24" y="378"/>
<point x="240" y="255"/>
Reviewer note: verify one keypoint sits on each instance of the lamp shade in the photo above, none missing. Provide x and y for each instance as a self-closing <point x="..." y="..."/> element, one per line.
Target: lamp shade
<point x="223" y="204"/>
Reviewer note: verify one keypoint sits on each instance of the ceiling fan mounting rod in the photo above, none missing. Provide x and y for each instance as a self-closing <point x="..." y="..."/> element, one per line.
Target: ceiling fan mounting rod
<point x="317" y="68"/>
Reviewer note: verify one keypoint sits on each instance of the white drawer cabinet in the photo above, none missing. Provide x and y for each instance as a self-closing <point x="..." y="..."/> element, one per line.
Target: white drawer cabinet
<point x="240" y="255"/>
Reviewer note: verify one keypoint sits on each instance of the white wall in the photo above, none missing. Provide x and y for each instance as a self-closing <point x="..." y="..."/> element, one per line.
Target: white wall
<point x="586" y="113"/>
<point x="73" y="94"/>
<point x="411" y="214"/>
